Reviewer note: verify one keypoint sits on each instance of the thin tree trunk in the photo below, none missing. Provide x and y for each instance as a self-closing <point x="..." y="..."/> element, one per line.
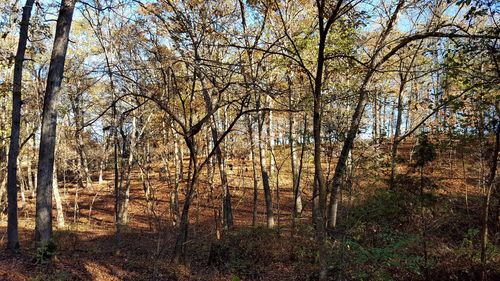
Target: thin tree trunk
<point x="180" y="250"/>
<point x="356" y="119"/>
<point x="124" y="189"/>
<point x="270" y="138"/>
<point x="395" y="141"/>
<point x="403" y="79"/>
<point x="22" y="187"/>
<point x="424" y="227"/>
<point x="254" y="170"/>
<point x="297" y="207"/>
<point x="82" y="165"/>
<point x="104" y="159"/>
<point x="384" y="118"/>
<point x="43" y="229"/>
<point x="174" y="194"/>
<point x="12" y="231"/>
<point x="319" y="180"/>
<point x="376" y="116"/>
<point x="227" y="210"/>
<point x="211" y="182"/>
<point x="264" y="172"/>
<point x="486" y="203"/>
<point x="29" y="173"/>
<point x="35" y="171"/>
<point x="298" y="190"/>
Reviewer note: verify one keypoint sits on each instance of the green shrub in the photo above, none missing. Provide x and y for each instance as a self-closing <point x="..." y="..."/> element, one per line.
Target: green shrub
<point x="45" y="252"/>
<point x="374" y="246"/>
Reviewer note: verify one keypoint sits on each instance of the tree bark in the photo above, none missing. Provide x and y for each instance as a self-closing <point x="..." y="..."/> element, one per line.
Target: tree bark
<point x="297" y="204"/>
<point x="83" y="168"/>
<point x="397" y="130"/>
<point x="319" y="179"/>
<point x="12" y="231"/>
<point x="104" y="160"/>
<point x="356" y="119"/>
<point x="174" y="194"/>
<point x="227" y="210"/>
<point x="180" y="250"/>
<point x="126" y="170"/>
<point x="264" y="171"/>
<point x="43" y="228"/>
<point x="57" y="198"/>
<point x="254" y="170"/>
<point x="490" y="186"/>
<point x="376" y="116"/>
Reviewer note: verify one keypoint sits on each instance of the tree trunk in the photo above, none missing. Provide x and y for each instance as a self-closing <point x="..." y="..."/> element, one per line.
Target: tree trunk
<point x="43" y="229"/>
<point x="174" y="194"/>
<point x="264" y="172"/>
<point x="319" y="180"/>
<point x="344" y="154"/>
<point x="29" y="174"/>
<point x="297" y="203"/>
<point x="270" y="139"/>
<point x="57" y="198"/>
<point x="227" y="210"/>
<point x="35" y="171"/>
<point x="180" y="250"/>
<point x="486" y="203"/>
<point x="376" y="115"/>
<point x="22" y="185"/>
<point x="211" y="182"/>
<point x="12" y="231"/>
<point x="104" y="160"/>
<point x="83" y="170"/>
<point x="126" y="171"/>
<point x="397" y="130"/>
<point x="254" y="171"/>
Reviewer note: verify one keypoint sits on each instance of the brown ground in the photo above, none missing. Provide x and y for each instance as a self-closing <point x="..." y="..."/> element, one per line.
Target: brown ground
<point x="87" y="246"/>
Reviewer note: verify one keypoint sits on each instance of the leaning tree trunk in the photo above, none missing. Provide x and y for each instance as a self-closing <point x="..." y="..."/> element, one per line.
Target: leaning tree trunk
<point x="342" y="161"/>
<point x="12" y="232"/>
<point x="403" y="77"/>
<point x="43" y="228"/>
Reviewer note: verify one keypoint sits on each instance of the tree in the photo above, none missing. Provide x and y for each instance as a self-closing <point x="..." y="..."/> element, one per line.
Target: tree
<point x="43" y="230"/>
<point x="490" y="188"/>
<point x="12" y="232"/>
<point x="425" y="152"/>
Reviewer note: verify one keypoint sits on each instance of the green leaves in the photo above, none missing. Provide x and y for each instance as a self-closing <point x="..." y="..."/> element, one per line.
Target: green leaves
<point x="425" y="151"/>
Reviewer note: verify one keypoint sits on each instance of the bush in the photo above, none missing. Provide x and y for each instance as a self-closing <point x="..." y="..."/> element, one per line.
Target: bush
<point x="45" y="252"/>
<point x="374" y="246"/>
<point x="245" y="252"/>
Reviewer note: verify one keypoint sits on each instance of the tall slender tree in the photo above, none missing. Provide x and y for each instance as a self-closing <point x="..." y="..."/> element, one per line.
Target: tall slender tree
<point x="12" y="231"/>
<point x="43" y="228"/>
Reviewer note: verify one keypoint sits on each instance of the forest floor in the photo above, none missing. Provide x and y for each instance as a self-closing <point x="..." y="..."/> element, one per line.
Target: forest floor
<point x="382" y="234"/>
